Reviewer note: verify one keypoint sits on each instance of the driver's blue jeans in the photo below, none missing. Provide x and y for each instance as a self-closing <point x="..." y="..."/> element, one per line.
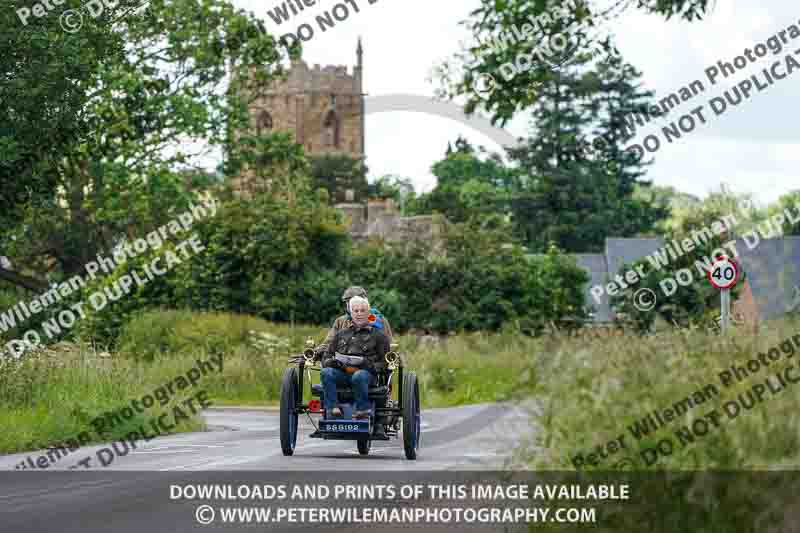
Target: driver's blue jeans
<point x="359" y="381"/>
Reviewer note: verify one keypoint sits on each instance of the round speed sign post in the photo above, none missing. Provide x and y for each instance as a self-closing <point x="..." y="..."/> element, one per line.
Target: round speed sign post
<point x="723" y="275"/>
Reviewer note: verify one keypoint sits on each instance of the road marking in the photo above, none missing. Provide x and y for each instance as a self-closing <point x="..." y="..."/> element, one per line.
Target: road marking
<point x="183" y="466"/>
<point x="185" y="446"/>
<point x="480" y="455"/>
<point x="158" y="451"/>
<point x="28" y="495"/>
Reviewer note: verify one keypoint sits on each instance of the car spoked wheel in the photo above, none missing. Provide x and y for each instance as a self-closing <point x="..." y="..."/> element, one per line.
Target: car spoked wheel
<point x="411" y="415"/>
<point x="290" y="393"/>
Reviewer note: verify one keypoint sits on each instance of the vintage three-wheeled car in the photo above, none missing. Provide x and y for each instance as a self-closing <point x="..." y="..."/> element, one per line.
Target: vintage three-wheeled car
<point x="388" y="417"/>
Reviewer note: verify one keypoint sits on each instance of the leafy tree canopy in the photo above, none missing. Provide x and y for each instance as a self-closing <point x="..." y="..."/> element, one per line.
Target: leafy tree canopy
<point x="495" y="26"/>
<point x="129" y="113"/>
<point x="338" y="173"/>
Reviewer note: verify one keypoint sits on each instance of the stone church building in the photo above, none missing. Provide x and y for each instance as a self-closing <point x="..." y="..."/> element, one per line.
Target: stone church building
<point x="323" y="107"/>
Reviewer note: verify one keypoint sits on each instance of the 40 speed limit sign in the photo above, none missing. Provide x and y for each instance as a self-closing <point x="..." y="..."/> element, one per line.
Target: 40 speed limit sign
<point x="724" y="273"/>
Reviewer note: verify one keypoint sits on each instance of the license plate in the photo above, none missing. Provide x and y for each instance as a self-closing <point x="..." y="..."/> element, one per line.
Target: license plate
<point x="344" y="426"/>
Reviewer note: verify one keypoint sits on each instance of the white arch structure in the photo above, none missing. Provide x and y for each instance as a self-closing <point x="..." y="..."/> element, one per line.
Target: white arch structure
<point x="430" y="106"/>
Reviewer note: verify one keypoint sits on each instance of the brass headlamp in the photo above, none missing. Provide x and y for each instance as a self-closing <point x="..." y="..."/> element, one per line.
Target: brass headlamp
<point x="392" y="359"/>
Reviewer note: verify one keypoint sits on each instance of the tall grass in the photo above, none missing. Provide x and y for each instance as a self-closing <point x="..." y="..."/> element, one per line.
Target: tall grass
<point x="591" y="393"/>
<point x="473" y="368"/>
<point x="48" y="398"/>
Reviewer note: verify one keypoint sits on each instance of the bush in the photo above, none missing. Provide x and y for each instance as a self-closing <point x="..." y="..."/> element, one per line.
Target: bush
<point x="290" y="262"/>
<point x="269" y="258"/>
<point x="8" y="299"/>
<point x="158" y="333"/>
<point x="481" y="281"/>
<point x="105" y="324"/>
<point x="262" y="256"/>
<point x="12" y="296"/>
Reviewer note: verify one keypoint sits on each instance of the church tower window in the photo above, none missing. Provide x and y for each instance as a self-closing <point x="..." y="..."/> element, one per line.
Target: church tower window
<point x="331" y="130"/>
<point x="264" y="122"/>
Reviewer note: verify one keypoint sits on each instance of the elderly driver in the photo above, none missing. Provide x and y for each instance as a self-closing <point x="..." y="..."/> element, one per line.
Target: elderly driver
<point x="353" y="358"/>
<point x="346" y="320"/>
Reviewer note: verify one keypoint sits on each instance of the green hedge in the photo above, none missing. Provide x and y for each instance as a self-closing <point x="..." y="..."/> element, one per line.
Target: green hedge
<point x="290" y="262"/>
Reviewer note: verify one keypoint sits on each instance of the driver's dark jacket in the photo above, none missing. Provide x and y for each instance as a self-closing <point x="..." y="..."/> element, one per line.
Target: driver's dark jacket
<point x="365" y="341"/>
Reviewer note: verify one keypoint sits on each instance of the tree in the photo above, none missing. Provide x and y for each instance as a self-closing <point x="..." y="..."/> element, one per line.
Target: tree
<point x="685" y="9"/>
<point x="572" y="197"/>
<point x="267" y="255"/>
<point x="791" y="202"/>
<point x="462" y="147"/>
<point x="496" y="26"/>
<point x="716" y="205"/>
<point x="470" y="183"/>
<point x="679" y="203"/>
<point x="695" y="302"/>
<point x="47" y="79"/>
<point x="481" y="279"/>
<point x="338" y="173"/>
<point x="273" y="164"/>
<point x="398" y="188"/>
<point x="185" y="80"/>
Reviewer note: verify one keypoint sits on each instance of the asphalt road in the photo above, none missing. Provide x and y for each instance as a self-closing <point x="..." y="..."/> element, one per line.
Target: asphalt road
<point x="467" y="437"/>
<point x="123" y="498"/>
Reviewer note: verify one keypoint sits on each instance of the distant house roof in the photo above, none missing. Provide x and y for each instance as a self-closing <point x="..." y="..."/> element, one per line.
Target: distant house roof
<point x="621" y="251"/>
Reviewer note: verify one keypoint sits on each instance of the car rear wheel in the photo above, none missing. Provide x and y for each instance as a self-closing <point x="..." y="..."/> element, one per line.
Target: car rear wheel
<point x="411" y="415"/>
<point x="290" y="393"/>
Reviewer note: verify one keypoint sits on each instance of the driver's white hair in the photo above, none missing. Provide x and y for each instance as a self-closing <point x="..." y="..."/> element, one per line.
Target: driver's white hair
<point x="355" y="300"/>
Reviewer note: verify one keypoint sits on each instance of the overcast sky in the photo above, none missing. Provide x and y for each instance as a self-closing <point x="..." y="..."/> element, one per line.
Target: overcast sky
<point x="752" y="147"/>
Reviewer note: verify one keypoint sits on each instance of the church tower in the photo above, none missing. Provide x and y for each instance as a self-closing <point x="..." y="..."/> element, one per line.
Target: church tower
<point x="323" y="107"/>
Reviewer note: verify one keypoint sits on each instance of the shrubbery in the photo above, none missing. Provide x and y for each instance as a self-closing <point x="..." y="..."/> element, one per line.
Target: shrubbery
<point x="263" y="257"/>
<point x="482" y="281"/>
<point x="614" y="383"/>
<point x="289" y="262"/>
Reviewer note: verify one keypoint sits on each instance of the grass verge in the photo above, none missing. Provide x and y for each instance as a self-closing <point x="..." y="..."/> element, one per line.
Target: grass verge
<point x="658" y="398"/>
<point x="49" y="398"/>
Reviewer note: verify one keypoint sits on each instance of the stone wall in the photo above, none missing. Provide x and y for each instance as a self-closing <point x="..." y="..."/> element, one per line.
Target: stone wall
<point x="380" y="219"/>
